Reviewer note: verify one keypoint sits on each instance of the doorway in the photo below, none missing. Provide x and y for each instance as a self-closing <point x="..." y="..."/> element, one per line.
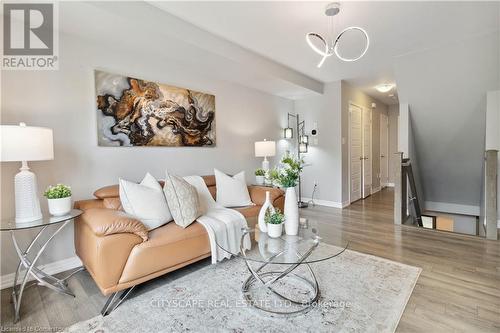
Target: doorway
<point x="360" y="152"/>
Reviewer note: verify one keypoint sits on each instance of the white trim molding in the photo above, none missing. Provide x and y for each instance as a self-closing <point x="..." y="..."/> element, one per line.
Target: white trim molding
<point x="327" y="203"/>
<point x="389" y="184"/>
<point x="7" y="280"/>
<point x="452" y="208"/>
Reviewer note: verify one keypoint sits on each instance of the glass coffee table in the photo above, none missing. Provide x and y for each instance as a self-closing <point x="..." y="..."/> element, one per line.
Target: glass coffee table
<point x="281" y="279"/>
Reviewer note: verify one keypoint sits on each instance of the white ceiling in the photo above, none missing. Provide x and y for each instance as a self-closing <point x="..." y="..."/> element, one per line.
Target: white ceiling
<point x="276" y="30"/>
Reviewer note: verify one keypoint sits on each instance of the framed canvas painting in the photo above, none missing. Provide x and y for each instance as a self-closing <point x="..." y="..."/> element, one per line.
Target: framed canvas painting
<point x="136" y="112"/>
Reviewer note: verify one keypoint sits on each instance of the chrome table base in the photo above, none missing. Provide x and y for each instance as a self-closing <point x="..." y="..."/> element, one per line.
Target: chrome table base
<point x="42" y="278"/>
<point x="268" y="279"/>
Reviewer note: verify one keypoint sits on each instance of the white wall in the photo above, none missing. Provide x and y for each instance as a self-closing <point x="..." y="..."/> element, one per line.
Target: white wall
<point x="393" y="140"/>
<point x="325" y="158"/>
<point x="64" y="100"/>
<point x="404" y="129"/>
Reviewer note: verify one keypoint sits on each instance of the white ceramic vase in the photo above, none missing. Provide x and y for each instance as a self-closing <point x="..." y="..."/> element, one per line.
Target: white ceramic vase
<point x="274" y="230"/>
<point x="291" y="212"/>
<point x="262" y="214"/>
<point x="259" y="180"/>
<point x="59" y="207"/>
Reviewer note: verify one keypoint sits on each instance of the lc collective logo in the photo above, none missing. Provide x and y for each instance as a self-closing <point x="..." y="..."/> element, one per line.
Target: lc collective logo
<point x="30" y="40"/>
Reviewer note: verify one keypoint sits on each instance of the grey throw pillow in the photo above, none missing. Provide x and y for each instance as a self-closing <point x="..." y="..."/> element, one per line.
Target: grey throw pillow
<point x="182" y="199"/>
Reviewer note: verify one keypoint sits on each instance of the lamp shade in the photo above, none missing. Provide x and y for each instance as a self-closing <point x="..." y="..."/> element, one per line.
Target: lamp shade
<point x="265" y="148"/>
<point x="26" y="143"/>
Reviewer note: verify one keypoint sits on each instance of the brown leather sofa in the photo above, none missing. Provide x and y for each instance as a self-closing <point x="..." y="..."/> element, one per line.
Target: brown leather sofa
<point x="120" y="253"/>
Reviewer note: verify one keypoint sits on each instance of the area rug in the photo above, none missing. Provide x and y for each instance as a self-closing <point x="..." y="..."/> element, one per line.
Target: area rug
<point x="359" y="293"/>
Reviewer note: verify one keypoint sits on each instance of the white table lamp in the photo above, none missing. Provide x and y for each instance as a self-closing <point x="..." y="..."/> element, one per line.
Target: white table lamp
<point x="22" y="144"/>
<point x="265" y="149"/>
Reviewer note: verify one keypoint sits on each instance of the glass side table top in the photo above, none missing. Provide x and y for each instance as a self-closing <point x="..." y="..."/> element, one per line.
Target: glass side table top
<point x="11" y="224"/>
<point x="290" y="249"/>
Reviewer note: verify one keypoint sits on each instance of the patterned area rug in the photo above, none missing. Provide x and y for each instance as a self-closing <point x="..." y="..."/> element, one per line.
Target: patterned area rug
<point x="358" y="293"/>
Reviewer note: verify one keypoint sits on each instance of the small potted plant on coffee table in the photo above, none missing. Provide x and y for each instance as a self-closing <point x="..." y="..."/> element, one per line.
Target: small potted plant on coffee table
<point x="260" y="175"/>
<point x="274" y="223"/>
<point x="59" y="199"/>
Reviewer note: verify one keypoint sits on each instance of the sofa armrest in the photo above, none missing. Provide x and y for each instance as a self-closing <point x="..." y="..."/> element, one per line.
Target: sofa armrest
<point x="87" y="204"/>
<point x="258" y="194"/>
<point x="105" y="222"/>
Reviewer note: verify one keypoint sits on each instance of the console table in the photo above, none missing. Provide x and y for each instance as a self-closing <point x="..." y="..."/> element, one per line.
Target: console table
<point x="42" y="278"/>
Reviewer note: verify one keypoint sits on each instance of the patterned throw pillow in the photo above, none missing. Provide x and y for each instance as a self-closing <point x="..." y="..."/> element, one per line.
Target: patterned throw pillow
<point x="182" y="199"/>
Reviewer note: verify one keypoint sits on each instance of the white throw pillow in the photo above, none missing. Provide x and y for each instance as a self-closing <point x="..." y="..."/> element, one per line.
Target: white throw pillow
<point x="232" y="191"/>
<point x="145" y="201"/>
<point x="182" y="199"/>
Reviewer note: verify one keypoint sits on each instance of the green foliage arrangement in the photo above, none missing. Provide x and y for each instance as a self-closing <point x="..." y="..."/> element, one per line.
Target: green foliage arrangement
<point x="57" y="192"/>
<point x="260" y="172"/>
<point x="287" y="174"/>
<point x="274" y="218"/>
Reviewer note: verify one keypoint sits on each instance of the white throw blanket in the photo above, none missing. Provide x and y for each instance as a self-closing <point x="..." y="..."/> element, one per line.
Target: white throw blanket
<point x="224" y="226"/>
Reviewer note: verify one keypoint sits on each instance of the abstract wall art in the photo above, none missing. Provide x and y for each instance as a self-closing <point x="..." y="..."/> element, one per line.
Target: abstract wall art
<point x="135" y="112"/>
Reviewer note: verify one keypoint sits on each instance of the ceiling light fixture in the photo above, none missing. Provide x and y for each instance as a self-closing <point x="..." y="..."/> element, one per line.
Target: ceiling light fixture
<point x="384" y="87"/>
<point x="331" y="45"/>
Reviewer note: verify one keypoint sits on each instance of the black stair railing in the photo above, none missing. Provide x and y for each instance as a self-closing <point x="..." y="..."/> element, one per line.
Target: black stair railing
<point x="414" y="205"/>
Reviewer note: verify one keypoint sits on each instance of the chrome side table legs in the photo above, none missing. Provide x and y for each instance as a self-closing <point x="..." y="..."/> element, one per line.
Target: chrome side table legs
<point x="42" y="278"/>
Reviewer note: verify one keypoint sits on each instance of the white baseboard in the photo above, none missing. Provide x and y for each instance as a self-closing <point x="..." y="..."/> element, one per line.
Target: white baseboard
<point x="451" y="208"/>
<point x="327" y="203"/>
<point x="7" y="280"/>
<point x="389" y="184"/>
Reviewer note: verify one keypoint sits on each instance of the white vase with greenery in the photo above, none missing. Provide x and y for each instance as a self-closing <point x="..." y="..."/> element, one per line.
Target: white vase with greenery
<point x="59" y="199"/>
<point x="274" y="223"/>
<point x="260" y="176"/>
<point x="287" y="176"/>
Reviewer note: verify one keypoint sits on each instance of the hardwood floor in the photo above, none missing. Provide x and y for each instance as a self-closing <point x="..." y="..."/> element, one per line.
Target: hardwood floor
<point x="458" y="289"/>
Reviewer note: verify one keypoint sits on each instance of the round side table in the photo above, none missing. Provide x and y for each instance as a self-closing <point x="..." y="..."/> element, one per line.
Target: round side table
<point x="42" y="278"/>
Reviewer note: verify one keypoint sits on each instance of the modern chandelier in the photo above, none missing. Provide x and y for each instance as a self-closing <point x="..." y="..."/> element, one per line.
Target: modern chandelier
<point x="331" y="43"/>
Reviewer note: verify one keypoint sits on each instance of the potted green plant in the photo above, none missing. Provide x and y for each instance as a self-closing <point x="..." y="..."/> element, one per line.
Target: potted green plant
<point x="59" y="199"/>
<point x="287" y="175"/>
<point x="274" y="221"/>
<point x="260" y="175"/>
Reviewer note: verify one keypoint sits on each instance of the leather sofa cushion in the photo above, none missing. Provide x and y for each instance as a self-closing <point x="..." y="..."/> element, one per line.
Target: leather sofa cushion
<point x="249" y="211"/>
<point x="258" y="194"/>
<point x="167" y="246"/>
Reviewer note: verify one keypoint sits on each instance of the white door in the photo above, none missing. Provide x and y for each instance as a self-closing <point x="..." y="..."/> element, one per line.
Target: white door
<point x="355" y="152"/>
<point x="384" y="150"/>
<point x="367" y="152"/>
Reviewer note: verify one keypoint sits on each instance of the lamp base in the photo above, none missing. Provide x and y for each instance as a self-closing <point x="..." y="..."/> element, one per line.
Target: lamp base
<point x="27" y="202"/>
<point x="265" y="164"/>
